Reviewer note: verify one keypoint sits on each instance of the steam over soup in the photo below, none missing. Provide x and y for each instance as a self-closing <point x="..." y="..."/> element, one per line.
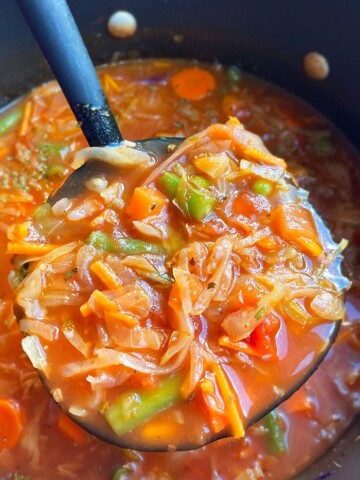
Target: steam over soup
<point x="167" y="297"/>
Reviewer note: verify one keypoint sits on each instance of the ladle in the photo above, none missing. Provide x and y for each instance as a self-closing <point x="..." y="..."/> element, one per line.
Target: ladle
<point x="57" y="34"/>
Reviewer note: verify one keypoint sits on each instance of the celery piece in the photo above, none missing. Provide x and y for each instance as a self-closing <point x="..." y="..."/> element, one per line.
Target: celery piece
<point x="233" y="74"/>
<point x="200" y="182"/>
<point x="128" y="246"/>
<point x="9" y="121"/>
<point x="169" y="184"/>
<point x="135" y="408"/>
<point x="200" y="205"/>
<point x="276" y="436"/>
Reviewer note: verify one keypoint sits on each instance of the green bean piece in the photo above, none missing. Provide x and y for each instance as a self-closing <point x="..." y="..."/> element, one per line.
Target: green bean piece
<point x="276" y="436"/>
<point x="200" y="205"/>
<point x="128" y="246"/>
<point x="10" y="120"/>
<point x="131" y="246"/>
<point x="135" y="408"/>
<point x="262" y="187"/>
<point x="101" y="241"/>
<point x="169" y="184"/>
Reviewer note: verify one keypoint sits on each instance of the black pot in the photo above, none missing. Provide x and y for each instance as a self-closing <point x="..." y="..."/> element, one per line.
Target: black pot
<point x="267" y="38"/>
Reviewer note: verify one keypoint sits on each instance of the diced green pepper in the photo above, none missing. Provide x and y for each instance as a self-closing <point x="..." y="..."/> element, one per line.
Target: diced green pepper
<point x="169" y="184"/>
<point x="200" y="205"/>
<point x="128" y="246"/>
<point x="10" y="120"/>
<point x="276" y="437"/>
<point x="135" y="408"/>
<point x="262" y="187"/>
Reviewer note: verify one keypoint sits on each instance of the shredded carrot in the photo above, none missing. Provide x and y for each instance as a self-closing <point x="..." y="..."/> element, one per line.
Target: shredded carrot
<point x="110" y="83"/>
<point x="125" y="318"/>
<point x="229" y="398"/>
<point x="104" y="301"/>
<point x="11" y="423"/>
<point x="26" y="118"/>
<point x="106" y="274"/>
<point x="29" y="248"/>
<point x="264" y="157"/>
<point x="71" y="429"/>
<point x="193" y="83"/>
<point x="309" y="246"/>
<point x="244" y="347"/>
<point x="145" y="202"/>
<point x="159" y="429"/>
<point x="3" y="152"/>
<point x="85" y="309"/>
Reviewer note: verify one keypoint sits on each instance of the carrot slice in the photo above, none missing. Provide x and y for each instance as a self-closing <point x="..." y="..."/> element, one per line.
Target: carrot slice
<point x="29" y="248"/>
<point x="193" y="83"/>
<point x="145" y="202"/>
<point x="26" y="118"/>
<point x="229" y="398"/>
<point x="11" y="423"/>
<point x="106" y="274"/>
<point x="264" y="157"/>
<point x="71" y="429"/>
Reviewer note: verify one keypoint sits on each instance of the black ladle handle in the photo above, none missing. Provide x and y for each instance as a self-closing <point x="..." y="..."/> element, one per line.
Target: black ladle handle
<point x="59" y="38"/>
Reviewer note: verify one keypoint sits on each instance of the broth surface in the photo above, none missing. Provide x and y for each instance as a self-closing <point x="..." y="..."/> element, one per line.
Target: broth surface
<point x="35" y="155"/>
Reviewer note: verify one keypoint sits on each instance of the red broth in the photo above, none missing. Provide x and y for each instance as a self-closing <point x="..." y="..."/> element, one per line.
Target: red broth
<point x="35" y="155"/>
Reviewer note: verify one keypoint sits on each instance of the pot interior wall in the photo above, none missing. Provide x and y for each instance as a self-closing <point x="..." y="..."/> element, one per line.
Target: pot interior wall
<point x="269" y="39"/>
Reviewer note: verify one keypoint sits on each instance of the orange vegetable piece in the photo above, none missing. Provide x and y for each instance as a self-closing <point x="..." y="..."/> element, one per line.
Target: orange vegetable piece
<point x="263" y="337"/>
<point x="193" y="83"/>
<point x="29" y="248"/>
<point x="11" y="423"/>
<point x="145" y="202"/>
<point x="292" y="221"/>
<point x="71" y="429"/>
<point x="247" y="204"/>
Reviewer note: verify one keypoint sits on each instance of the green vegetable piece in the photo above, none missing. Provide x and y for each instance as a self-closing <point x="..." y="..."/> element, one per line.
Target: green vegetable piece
<point x="259" y="313"/>
<point x="169" y="184"/>
<point x="276" y="436"/>
<point x="42" y="211"/>
<point x="200" y="182"/>
<point x="131" y="246"/>
<point x="128" y="246"/>
<point x="47" y="148"/>
<point x="233" y="74"/>
<point x="323" y="146"/>
<point x="56" y="170"/>
<point x="199" y="205"/>
<point x="10" y="120"/>
<point x="123" y="472"/>
<point x="262" y="187"/>
<point x="102" y="241"/>
<point x="135" y="408"/>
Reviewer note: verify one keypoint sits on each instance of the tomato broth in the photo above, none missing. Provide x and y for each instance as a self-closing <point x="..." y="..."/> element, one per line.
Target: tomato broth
<point x="156" y="98"/>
